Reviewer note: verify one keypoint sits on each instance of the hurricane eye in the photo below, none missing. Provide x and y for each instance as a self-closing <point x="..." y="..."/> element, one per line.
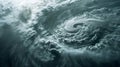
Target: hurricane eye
<point x="77" y="25"/>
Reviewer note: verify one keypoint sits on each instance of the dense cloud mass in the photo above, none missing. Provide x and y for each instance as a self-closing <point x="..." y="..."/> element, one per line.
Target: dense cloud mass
<point x="60" y="33"/>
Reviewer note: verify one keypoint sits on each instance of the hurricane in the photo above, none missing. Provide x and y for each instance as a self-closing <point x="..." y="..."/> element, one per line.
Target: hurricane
<point x="59" y="33"/>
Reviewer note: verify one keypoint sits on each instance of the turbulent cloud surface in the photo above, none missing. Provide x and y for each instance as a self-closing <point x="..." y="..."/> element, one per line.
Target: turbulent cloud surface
<point x="59" y="33"/>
